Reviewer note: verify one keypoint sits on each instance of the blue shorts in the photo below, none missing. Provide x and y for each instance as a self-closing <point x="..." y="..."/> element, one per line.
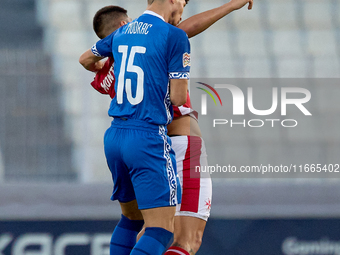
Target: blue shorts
<point x="142" y="164"/>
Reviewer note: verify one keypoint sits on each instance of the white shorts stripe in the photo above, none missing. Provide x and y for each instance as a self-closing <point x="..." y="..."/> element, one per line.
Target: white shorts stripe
<point x="169" y="168"/>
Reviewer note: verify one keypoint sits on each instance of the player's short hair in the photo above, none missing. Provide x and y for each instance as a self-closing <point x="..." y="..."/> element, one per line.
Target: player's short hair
<point x="108" y="19"/>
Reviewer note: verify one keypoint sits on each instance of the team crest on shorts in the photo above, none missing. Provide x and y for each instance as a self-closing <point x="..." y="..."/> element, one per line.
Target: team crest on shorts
<point x="208" y="203"/>
<point x="186" y="59"/>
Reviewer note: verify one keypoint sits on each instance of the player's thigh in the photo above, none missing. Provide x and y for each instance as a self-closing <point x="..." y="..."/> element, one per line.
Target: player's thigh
<point x="152" y="167"/>
<point x="113" y="143"/>
<point x="161" y="217"/>
<point x="189" y="231"/>
<point x="187" y="226"/>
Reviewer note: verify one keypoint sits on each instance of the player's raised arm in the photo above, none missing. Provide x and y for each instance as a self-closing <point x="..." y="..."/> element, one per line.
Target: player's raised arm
<point x="90" y="61"/>
<point x="200" y="22"/>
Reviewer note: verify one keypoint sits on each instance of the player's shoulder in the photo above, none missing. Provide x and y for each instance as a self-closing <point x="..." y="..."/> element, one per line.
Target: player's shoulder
<point x="175" y="31"/>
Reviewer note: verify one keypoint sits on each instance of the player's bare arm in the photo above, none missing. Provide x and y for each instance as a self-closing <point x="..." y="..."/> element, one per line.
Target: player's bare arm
<point x="90" y="61"/>
<point x="200" y="22"/>
<point x="178" y="91"/>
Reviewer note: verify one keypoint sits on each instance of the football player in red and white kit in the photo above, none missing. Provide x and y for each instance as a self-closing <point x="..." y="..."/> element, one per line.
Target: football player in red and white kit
<point x="192" y="214"/>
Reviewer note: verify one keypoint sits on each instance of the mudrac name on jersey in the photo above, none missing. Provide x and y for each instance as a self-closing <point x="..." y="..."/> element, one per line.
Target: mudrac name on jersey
<point x="138" y="28"/>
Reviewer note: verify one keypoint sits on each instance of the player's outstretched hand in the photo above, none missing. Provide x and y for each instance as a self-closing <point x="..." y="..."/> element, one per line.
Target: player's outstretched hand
<point x="238" y="4"/>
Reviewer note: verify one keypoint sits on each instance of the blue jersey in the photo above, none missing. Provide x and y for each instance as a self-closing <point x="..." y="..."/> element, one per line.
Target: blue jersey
<point x="147" y="53"/>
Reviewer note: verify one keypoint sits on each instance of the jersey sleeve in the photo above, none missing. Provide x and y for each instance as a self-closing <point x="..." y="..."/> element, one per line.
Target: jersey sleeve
<point x="179" y="54"/>
<point x="103" y="48"/>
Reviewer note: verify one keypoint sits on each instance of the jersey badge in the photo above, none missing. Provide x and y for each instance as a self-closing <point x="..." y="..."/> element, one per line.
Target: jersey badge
<point x="186" y="59"/>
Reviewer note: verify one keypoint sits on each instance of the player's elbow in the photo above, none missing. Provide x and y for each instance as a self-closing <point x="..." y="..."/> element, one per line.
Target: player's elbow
<point x="88" y="60"/>
<point x="83" y="62"/>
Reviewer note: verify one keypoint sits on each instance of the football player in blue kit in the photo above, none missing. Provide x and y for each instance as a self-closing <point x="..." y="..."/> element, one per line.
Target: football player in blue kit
<point x="152" y="64"/>
<point x="192" y="214"/>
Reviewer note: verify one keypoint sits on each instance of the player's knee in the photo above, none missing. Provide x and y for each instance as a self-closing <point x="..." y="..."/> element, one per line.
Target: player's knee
<point x="133" y="215"/>
<point x="197" y="241"/>
<point x="130" y="210"/>
<point x="189" y="241"/>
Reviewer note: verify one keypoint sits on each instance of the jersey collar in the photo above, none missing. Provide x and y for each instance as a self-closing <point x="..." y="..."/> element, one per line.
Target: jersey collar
<point x="154" y="14"/>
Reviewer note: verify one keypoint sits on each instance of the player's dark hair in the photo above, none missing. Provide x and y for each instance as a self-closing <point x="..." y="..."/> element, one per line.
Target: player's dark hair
<point x="107" y="20"/>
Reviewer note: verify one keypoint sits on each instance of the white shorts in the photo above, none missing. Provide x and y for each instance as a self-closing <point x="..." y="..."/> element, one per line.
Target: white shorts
<point x="196" y="189"/>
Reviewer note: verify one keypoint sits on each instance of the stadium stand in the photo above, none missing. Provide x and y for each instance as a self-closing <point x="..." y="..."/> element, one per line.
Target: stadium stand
<point x="33" y="142"/>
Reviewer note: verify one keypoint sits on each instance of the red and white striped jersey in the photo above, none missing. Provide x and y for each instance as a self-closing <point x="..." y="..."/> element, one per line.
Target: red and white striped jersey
<point x="104" y="80"/>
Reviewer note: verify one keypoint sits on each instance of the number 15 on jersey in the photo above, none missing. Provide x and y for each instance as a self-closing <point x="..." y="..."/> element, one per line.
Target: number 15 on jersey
<point x="130" y="67"/>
